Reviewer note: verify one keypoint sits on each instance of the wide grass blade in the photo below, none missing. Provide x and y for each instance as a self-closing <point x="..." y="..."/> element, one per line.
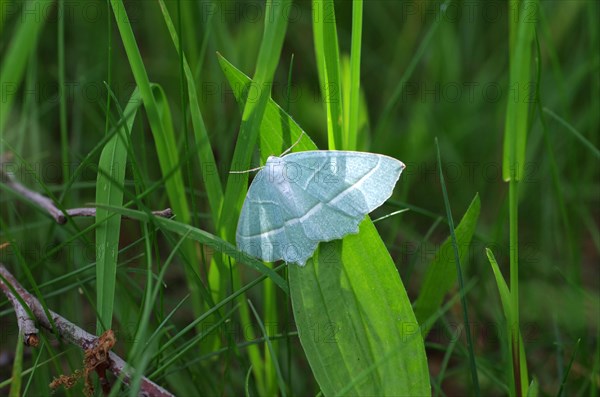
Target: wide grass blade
<point x="351" y="310"/>
<point x="109" y="191"/>
<point x="441" y="274"/>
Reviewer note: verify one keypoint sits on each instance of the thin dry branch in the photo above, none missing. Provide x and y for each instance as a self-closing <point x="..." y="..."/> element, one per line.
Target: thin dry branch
<point x="47" y="205"/>
<point x="67" y="330"/>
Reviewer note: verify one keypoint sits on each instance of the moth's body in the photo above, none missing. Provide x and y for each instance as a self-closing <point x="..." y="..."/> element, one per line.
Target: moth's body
<point x="299" y="200"/>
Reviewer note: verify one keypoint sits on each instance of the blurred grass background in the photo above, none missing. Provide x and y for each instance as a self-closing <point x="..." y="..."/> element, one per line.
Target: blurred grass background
<point x="425" y="74"/>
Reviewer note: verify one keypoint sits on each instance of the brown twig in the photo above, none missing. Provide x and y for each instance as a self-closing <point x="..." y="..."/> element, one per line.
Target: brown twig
<point x="67" y="330"/>
<point x="47" y="205"/>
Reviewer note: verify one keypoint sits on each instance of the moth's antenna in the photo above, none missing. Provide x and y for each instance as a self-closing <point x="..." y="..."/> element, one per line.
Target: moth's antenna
<point x="295" y="143"/>
<point x="246" y="171"/>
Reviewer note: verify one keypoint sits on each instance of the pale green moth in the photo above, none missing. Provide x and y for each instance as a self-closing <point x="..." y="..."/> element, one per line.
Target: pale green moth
<point x="300" y="199"/>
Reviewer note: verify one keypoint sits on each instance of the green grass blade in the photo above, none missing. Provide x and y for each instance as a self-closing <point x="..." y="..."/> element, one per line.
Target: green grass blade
<point x="564" y="379"/>
<point x="21" y="46"/>
<point x="354" y="88"/>
<point x="521" y="30"/>
<point x="456" y="249"/>
<point x="159" y="118"/>
<point x="534" y="388"/>
<point x="278" y="131"/>
<point x="275" y="27"/>
<point x="64" y="139"/>
<point x="593" y="149"/>
<point x="268" y="59"/>
<point x="157" y="109"/>
<point x="247" y="382"/>
<point x="109" y="191"/>
<point x="351" y="310"/>
<point x="328" y="65"/>
<point x="210" y="240"/>
<point x="440" y="275"/>
<point x="206" y="158"/>
<point x="513" y="332"/>
<point x="502" y="286"/>
<point x="17" y="369"/>
<point x="272" y="351"/>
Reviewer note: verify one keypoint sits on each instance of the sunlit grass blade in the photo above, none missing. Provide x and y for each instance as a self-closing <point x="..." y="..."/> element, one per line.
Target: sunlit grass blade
<point x="109" y="191"/>
<point x="21" y="46"/>
<point x="328" y="65"/>
<point x="456" y="249"/>
<point x="441" y="273"/>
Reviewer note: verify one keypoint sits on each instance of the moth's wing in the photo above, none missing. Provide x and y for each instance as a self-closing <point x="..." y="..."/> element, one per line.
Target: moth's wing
<point x="268" y="226"/>
<point x="346" y="186"/>
<point x="260" y="231"/>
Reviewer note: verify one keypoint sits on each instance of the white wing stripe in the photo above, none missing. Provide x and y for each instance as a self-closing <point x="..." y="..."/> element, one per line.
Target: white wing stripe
<point x="357" y="183"/>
